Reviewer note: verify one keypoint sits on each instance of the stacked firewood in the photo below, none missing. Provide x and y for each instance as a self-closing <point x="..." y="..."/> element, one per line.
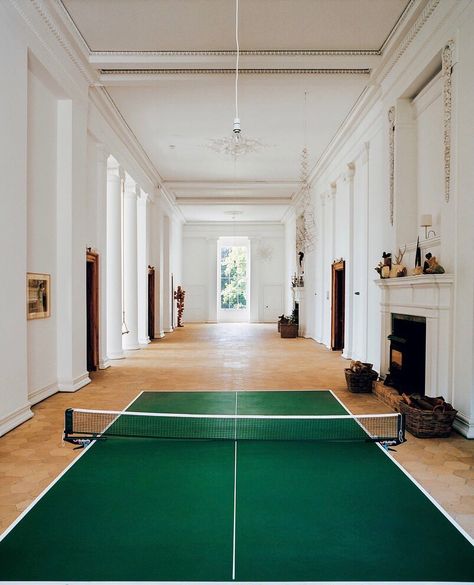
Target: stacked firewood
<point x="360" y="368"/>
<point x="427" y="403"/>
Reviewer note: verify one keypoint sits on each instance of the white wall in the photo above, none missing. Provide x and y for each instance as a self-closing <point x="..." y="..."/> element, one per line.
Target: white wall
<point x="41" y="238"/>
<point x="419" y="189"/>
<point x="14" y="405"/>
<point x="267" y="261"/>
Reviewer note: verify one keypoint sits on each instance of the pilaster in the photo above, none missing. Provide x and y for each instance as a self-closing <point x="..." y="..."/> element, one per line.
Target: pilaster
<point x="130" y="272"/>
<point x="114" y="276"/>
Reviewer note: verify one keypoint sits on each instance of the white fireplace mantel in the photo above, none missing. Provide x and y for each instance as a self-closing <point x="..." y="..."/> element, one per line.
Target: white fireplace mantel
<point x="429" y="296"/>
<point x="298" y="297"/>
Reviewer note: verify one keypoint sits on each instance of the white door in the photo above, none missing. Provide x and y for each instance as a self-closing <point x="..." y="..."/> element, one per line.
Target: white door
<point x="272" y="302"/>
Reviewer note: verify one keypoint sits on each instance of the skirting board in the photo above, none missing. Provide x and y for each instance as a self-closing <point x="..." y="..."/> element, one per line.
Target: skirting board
<point x="75" y="384"/>
<point x="36" y="396"/>
<point x="464" y="426"/>
<point x="14" y="419"/>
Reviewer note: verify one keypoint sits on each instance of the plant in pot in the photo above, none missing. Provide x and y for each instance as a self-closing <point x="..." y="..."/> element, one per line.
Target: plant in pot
<point x="288" y="327"/>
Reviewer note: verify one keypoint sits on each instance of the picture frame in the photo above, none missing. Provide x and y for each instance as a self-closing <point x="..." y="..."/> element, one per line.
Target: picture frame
<point x="38" y="295"/>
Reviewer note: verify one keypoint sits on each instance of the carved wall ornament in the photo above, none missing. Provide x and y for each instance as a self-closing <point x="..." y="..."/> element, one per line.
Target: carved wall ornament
<point x="391" y="150"/>
<point x="447" y="70"/>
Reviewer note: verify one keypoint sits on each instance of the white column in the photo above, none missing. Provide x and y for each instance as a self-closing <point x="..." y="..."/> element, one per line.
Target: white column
<point x="101" y="160"/>
<point x="71" y="246"/>
<point x="156" y="259"/>
<point x="321" y="264"/>
<point x="130" y="291"/>
<point x="114" y="261"/>
<point x="142" y="267"/>
<point x="167" y="325"/>
<point x="349" y="284"/>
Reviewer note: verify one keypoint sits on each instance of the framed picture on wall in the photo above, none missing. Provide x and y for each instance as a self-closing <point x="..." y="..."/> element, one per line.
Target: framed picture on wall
<point x="38" y="295"/>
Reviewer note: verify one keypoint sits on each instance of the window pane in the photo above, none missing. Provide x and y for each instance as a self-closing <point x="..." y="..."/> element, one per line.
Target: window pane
<point x="233" y="277"/>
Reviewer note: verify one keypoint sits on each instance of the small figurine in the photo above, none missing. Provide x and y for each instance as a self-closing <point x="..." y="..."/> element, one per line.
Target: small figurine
<point x="433" y="266"/>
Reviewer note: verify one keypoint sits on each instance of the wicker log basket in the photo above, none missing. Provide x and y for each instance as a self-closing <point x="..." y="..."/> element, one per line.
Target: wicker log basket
<point x="428" y="423"/>
<point x="359" y="377"/>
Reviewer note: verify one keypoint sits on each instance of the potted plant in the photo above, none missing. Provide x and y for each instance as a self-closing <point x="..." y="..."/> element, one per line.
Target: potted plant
<point x="288" y="327"/>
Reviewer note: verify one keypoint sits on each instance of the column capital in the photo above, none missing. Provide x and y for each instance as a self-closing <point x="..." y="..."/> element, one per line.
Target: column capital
<point x="350" y="172"/>
<point x="114" y="170"/>
<point x="144" y="198"/>
<point x="131" y="187"/>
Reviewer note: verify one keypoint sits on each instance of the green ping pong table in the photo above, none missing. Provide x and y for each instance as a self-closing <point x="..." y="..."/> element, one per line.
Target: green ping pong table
<point x="167" y="510"/>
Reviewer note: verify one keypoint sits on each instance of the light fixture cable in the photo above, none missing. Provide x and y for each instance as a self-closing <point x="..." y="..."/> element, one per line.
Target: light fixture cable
<point x="237" y="58"/>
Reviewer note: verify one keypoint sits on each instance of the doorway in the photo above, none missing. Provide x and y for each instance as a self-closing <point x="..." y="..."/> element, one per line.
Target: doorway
<point x="151" y="302"/>
<point x="92" y="310"/>
<point x="338" y="305"/>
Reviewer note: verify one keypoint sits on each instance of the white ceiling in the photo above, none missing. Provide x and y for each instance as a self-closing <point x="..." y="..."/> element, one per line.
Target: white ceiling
<point x="204" y="25"/>
<point x="174" y="114"/>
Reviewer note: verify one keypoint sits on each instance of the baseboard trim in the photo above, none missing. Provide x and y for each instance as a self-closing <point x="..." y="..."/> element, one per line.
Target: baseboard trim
<point x="116" y="356"/>
<point x="75" y="384"/>
<point x="144" y="342"/>
<point x="464" y="426"/>
<point x="42" y="393"/>
<point x="12" y="420"/>
<point x="104" y="364"/>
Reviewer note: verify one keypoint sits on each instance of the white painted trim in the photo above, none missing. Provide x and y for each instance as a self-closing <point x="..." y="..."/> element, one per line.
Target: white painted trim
<point x="74" y="384"/>
<point x="104" y="364"/>
<point x="116" y="356"/>
<point x="12" y="420"/>
<point x="464" y="426"/>
<point x="40" y="394"/>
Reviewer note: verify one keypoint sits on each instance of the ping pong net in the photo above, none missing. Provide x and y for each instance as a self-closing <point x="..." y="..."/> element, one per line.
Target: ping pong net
<point x="82" y="424"/>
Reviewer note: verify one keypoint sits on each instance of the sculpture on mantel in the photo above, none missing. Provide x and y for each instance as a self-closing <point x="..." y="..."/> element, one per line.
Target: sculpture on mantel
<point x="431" y="265"/>
<point x="179" y="297"/>
<point x="398" y="269"/>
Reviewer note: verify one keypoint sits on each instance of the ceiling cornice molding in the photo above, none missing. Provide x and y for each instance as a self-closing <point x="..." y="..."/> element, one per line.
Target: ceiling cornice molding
<point x="233" y="201"/>
<point x="226" y="185"/>
<point x="373" y="91"/>
<point x="397" y="26"/>
<point x="107" y="75"/>
<point x="58" y="28"/>
<point x="399" y="48"/>
<point x="232" y="53"/>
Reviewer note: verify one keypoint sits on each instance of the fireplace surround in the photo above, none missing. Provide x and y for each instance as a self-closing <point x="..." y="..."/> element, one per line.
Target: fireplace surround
<point x="429" y="297"/>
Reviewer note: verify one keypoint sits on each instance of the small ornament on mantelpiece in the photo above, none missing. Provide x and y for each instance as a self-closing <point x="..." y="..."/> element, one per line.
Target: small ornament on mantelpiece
<point x="431" y="265"/>
<point x="418" y="268"/>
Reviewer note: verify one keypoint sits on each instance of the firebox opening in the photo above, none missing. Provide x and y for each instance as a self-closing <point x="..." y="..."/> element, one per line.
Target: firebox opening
<point x="407" y="354"/>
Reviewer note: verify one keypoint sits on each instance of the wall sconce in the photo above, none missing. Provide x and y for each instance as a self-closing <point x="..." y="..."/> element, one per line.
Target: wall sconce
<point x="426" y="221"/>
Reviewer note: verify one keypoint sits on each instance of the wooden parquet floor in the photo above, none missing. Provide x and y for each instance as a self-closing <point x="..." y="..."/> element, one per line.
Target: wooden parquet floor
<point x="219" y="357"/>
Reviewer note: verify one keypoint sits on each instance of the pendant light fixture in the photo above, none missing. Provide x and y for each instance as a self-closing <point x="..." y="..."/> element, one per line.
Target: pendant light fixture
<point x="237" y="144"/>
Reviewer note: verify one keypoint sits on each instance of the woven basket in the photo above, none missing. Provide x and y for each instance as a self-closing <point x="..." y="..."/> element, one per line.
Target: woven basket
<point x="425" y="423"/>
<point x="288" y="330"/>
<point x="359" y="383"/>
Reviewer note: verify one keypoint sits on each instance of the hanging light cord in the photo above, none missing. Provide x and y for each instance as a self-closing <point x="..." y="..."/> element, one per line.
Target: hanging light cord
<point x="237" y="58"/>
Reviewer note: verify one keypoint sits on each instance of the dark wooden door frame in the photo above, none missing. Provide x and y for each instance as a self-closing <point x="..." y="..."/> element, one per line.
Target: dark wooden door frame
<point x="92" y="309"/>
<point x="338" y="305"/>
<point x="151" y="302"/>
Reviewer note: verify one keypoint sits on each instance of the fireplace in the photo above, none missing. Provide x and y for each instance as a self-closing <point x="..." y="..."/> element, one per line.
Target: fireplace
<point x="408" y="354"/>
